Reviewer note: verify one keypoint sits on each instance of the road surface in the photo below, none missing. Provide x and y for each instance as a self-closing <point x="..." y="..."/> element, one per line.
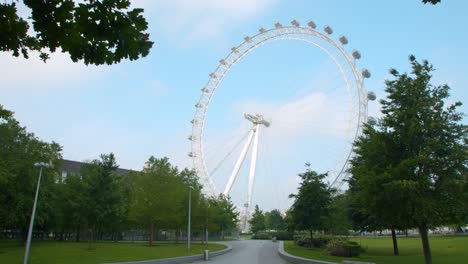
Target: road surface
<point x="249" y="252"/>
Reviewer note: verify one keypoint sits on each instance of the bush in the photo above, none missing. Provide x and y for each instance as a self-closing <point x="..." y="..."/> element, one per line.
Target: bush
<point x="283" y="235"/>
<point x="344" y="248"/>
<point x="302" y="240"/>
<point x="317" y="241"/>
<point x="261" y="235"/>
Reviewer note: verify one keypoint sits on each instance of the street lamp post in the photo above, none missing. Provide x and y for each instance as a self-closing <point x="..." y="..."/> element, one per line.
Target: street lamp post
<point x="31" y="224"/>
<point x="189" y="213"/>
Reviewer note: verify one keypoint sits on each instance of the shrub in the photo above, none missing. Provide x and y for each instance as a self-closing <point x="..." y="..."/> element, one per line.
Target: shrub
<point x="317" y="241"/>
<point x="283" y="235"/>
<point x="302" y="240"/>
<point x="320" y="241"/>
<point x="261" y="235"/>
<point x="344" y="248"/>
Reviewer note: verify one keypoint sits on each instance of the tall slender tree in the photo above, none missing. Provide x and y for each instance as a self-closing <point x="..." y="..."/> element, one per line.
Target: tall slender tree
<point x="257" y="222"/>
<point x="311" y="206"/>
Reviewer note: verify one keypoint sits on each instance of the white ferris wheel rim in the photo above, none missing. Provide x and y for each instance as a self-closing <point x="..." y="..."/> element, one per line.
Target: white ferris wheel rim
<point x="279" y="32"/>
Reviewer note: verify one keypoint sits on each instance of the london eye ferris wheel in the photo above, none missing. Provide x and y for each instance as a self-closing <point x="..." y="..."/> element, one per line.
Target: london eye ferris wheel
<point x="256" y="124"/>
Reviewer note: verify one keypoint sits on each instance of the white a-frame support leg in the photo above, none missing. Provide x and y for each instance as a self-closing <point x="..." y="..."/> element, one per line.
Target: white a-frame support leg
<point x="239" y="162"/>
<point x="253" y="166"/>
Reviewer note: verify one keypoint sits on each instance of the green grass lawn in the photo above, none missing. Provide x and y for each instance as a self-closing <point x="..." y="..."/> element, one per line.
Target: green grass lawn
<point x="447" y="250"/>
<point x="11" y="252"/>
<point x="246" y="236"/>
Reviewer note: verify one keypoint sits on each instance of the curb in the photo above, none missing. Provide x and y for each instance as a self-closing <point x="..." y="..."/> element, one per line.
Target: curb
<point x="298" y="260"/>
<point x="178" y="260"/>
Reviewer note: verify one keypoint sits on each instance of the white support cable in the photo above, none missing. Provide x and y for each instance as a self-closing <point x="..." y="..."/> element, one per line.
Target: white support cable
<point x="229" y="153"/>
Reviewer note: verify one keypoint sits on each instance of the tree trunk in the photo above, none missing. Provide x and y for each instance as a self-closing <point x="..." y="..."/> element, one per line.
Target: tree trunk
<point x="395" y="243"/>
<point x="77" y="234"/>
<point x="151" y="235"/>
<point x="84" y="229"/>
<point x="425" y="243"/>
<point x="91" y="239"/>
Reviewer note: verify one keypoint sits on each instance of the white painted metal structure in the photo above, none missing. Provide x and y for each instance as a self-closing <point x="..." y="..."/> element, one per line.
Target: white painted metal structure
<point x="257" y="120"/>
<point x="345" y="62"/>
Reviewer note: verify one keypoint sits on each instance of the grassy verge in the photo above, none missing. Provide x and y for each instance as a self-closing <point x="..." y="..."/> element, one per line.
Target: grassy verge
<point x="246" y="236"/>
<point x="447" y="250"/>
<point x="74" y="253"/>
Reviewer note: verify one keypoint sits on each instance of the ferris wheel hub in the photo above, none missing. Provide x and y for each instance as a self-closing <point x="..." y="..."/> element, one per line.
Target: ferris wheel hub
<point x="257" y="119"/>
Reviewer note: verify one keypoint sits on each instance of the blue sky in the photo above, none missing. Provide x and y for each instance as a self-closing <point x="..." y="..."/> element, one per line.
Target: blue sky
<point x="142" y="108"/>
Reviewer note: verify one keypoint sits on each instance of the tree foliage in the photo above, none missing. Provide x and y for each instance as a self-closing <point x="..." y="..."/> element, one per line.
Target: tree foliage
<point x="274" y="221"/>
<point x="410" y="171"/>
<point x="98" y="201"/>
<point x="339" y="222"/>
<point x="257" y="221"/>
<point x="19" y="150"/>
<point x="311" y="207"/>
<point x="434" y="2"/>
<point x="95" y="31"/>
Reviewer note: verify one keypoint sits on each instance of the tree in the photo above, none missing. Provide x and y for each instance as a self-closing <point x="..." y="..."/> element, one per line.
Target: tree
<point x="228" y="216"/>
<point x="70" y="205"/>
<point x="434" y="2"/>
<point x="102" y="194"/>
<point x="338" y="220"/>
<point x="424" y="176"/>
<point x="19" y="150"/>
<point x="310" y="209"/>
<point x="375" y="153"/>
<point x="156" y="195"/>
<point x="96" y="31"/>
<point x="274" y="221"/>
<point x="257" y="222"/>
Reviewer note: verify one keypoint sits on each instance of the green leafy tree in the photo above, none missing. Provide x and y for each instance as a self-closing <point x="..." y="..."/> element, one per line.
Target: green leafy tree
<point x="311" y="206"/>
<point x="375" y="152"/>
<point x="423" y="146"/>
<point x="338" y="221"/>
<point x="102" y="194"/>
<point x="69" y="205"/>
<point x="156" y="195"/>
<point x="186" y="183"/>
<point x="19" y="150"/>
<point x="257" y="222"/>
<point x="228" y="215"/>
<point x="95" y="31"/>
<point x="434" y="2"/>
<point x="274" y="221"/>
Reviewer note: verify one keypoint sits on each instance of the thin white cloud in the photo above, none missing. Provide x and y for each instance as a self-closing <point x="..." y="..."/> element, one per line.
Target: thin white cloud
<point x="194" y="21"/>
<point x="314" y="114"/>
<point x="33" y="76"/>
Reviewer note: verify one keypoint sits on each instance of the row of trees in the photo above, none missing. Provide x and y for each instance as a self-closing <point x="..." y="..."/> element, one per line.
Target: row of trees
<point x="97" y="200"/>
<point x="409" y="170"/>
<point x="267" y="221"/>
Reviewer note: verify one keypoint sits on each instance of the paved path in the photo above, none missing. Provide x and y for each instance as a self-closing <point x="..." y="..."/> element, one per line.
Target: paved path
<point x="249" y="252"/>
